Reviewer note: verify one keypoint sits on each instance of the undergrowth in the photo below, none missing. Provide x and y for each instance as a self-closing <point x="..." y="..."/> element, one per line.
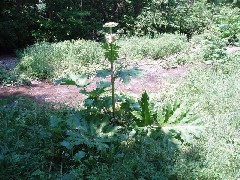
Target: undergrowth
<point x="39" y="141"/>
<point x="215" y="91"/>
<point x="49" y="61"/>
<point x="56" y="60"/>
<point x="153" y="48"/>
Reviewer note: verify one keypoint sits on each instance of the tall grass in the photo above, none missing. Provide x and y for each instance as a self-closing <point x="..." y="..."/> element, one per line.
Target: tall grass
<point x="45" y="60"/>
<point x="216" y="91"/>
<point x="50" y="61"/>
<point x="155" y="48"/>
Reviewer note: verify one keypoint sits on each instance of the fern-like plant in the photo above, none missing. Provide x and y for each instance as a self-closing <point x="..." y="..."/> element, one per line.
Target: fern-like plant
<point x="144" y="117"/>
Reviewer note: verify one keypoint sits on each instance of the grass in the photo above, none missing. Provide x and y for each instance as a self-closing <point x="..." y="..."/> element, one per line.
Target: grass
<point x="53" y="61"/>
<point x="49" y="61"/>
<point x="216" y="91"/>
<point x="153" y="48"/>
<point x="37" y="139"/>
<point x="212" y="90"/>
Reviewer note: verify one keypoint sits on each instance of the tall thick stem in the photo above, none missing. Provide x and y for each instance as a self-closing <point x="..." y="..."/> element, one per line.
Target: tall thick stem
<point x="113" y="84"/>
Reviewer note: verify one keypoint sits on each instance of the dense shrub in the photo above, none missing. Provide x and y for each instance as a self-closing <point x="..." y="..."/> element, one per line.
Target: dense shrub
<point x="12" y="77"/>
<point x="214" y="91"/>
<point x="227" y="24"/>
<point x="45" y="60"/>
<point x="25" y="22"/>
<point x="172" y="16"/>
<point x="72" y="144"/>
<point x="158" y="47"/>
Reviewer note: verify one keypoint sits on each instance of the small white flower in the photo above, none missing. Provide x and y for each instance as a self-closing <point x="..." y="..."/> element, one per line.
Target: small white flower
<point x="110" y="24"/>
<point x="111" y="38"/>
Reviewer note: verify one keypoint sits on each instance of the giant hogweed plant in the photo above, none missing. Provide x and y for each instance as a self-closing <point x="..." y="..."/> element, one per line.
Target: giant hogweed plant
<point x="116" y="71"/>
<point x="111" y="54"/>
<point x="98" y="106"/>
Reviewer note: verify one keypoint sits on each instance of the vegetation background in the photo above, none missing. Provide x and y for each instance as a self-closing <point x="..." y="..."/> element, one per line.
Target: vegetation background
<point x="23" y="22"/>
<point x="189" y="132"/>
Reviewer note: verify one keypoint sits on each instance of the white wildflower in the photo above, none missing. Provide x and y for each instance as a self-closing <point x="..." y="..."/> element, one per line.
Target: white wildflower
<point x="110" y="24"/>
<point x="111" y="38"/>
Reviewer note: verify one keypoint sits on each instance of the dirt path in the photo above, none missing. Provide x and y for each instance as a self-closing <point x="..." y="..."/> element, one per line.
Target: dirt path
<point x="153" y="80"/>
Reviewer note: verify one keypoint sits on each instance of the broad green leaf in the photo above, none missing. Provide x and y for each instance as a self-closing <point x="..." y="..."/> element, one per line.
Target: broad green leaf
<point x="72" y="79"/>
<point x="74" y="122"/>
<point x="67" y="145"/>
<point x="111" y="51"/>
<point x="88" y="102"/>
<point x="144" y="116"/>
<point x="79" y="155"/>
<point x="103" y="84"/>
<point x="38" y="172"/>
<point x="145" y="111"/>
<point x="103" y="73"/>
<point x="54" y="121"/>
<point x="125" y="75"/>
<point x="95" y="93"/>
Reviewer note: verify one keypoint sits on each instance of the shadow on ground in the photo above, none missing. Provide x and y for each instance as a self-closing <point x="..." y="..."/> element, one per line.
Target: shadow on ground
<point x="33" y="133"/>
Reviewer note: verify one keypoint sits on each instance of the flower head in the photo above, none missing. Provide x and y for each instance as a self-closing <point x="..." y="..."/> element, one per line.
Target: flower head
<point x="110" y="24"/>
<point x="111" y="38"/>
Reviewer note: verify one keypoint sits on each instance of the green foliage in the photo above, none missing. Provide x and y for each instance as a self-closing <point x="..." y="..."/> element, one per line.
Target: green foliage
<point x="111" y="51"/>
<point x="26" y="142"/>
<point x="224" y="31"/>
<point x="167" y="112"/>
<point x="40" y="142"/>
<point x="195" y="137"/>
<point x="57" y="60"/>
<point x="51" y="61"/>
<point x="84" y="144"/>
<point x="158" y="47"/>
<point x="173" y="16"/>
<point x="12" y="77"/>
<point x="26" y="22"/>
<point x="144" y="117"/>
<point x="214" y="47"/>
<point x="227" y="24"/>
<point x="215" y="90"/>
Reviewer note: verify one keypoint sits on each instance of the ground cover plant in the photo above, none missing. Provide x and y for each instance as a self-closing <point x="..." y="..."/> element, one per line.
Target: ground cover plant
<point x="97" y="133"/>
<point x="216" y="91"/>
<point x="71" y="144"/>
<point x="130" y="149"/>
<point x="156" y="48"/>
<point x="53" y="61"/>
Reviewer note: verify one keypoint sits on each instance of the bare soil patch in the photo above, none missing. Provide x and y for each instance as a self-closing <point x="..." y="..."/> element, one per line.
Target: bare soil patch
<point x="154" y="80"/>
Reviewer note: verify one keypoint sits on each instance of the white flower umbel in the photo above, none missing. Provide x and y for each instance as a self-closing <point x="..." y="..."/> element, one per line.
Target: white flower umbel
<point x="110" y="25"/>
<point x="111" y="38"/>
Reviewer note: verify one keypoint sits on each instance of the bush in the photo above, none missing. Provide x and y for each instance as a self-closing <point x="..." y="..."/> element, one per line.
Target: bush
<point x="12" y="77"/>
<point x="214" y="47"/>
<point x="46" y="61"/>
<point x="173" y="16"/>
<point x="158" y="47"/>
<point x="214" y="89"/>
<point x="227" y="24"/>
<point x="53" y="61"/>
<point x="38" y="141"/>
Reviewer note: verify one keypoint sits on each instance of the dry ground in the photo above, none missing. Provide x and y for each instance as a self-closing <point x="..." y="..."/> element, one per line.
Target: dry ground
<point x="153" y="80"/>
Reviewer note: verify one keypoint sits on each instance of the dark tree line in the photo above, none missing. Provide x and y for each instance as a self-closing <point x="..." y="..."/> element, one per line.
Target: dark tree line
<point x="23" y="22"/>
